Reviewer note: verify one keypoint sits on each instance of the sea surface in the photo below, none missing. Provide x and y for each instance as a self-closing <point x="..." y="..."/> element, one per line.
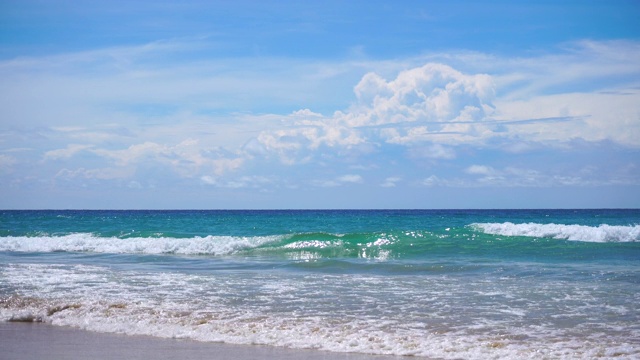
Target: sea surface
<point x="448" y="284"/>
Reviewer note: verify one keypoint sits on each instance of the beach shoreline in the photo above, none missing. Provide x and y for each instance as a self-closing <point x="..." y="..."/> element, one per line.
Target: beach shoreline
<point x="36" y="341"/>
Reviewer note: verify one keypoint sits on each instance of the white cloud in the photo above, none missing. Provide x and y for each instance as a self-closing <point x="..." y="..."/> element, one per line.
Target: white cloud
<point x="98" y="134"/>
<point x="142" y="84"/>
<point x="391" y="181"/>
<point x="138" y="115"/>
<point x="356" y="179"/>
<point x="326" y="183"/>
<point x="254" y="182"/>
<point x="591" y="116"/>
<point x="339" y="181"/>
<point x="186" y="158"/>
<point x="433" y="151"/>
<point x="209" y="180"/>
<point x="134" y="185"/>
<point x="487" y="176"/>
<point x="433" y="108"/>
<point x="65" y="153"/>
<point x="306" y="135"/>
<point x="109" y="173"/>
<point x="432" y="99"/>
<point x="432" y="92"/>
<point x="512" y="177"/>
<point x="480" y="170"/>
<point x="588" y="65"/>
<point x="135" y="153"/>
<point x="6" y="162"/>
<point x="249" y="182"/>
<point x="434" y="180"/>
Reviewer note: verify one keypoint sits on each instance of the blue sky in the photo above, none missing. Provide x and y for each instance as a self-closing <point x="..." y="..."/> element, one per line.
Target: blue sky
<point x="327" y="104"/>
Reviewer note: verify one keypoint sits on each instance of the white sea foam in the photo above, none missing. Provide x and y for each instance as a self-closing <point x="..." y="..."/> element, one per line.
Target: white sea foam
<point x="312" y="311"/>
<point x="602" y="233"/>
<point x="314" y="244"/>
<point x="84" y="242"/>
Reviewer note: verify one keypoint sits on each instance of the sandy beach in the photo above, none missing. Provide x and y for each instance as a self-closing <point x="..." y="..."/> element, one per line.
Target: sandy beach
<point x="36" y="341"/>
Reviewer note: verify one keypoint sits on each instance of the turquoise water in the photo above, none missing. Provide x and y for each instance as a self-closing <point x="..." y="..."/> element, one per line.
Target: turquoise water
<point x="443" y="284"/>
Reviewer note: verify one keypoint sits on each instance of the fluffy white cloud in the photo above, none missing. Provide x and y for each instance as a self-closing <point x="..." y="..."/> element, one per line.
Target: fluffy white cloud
<point x="430" y="93"/>
<point x="432" y="99"/>
<point x="305" y="133"/>
<point x="434" y="105"/>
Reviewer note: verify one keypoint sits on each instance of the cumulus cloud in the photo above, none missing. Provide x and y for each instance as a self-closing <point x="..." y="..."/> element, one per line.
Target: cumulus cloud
<point x="306" y="134"/>
<point x="430" y="109"/>
<point x="433" y="108"/>
<point x="432" y="99"/>
<point x="430" y="93"/>
<point x="432" y="103"/>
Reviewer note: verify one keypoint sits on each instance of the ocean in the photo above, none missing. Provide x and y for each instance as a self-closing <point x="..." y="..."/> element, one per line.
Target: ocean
<point x="446" y="284"/>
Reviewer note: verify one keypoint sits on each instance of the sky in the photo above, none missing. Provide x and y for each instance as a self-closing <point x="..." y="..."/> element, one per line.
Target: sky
<point x="319" y="104"/>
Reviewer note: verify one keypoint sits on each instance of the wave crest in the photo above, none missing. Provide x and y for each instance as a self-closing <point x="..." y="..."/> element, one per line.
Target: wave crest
<point x="84" y="242"/>
<point x="601" y="233"/>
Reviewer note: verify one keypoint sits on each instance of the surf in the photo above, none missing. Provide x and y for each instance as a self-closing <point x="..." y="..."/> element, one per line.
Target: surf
<point x="85" y="242"/>
<point x="602" y="233"/>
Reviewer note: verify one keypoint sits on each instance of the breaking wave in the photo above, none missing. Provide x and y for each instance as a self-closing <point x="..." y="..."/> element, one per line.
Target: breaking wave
<point x="601" y="233"/>
<point x="84" y="242"/>
<point x="302" y="245"/>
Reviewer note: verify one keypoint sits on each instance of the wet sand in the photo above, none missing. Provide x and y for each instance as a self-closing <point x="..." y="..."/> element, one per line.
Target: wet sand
<point x="37" y="341"/>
